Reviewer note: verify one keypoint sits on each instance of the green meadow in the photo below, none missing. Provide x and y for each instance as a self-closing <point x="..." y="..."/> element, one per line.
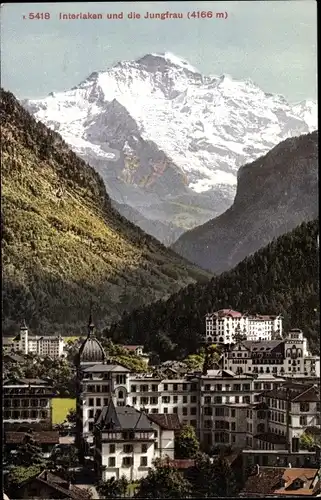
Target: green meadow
<point x="60" y="409"/>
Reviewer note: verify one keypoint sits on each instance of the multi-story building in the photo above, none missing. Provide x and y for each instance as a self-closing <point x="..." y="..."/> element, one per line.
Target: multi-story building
<point x="224" y="405"/>
<point x="27" y="402"/>
<point x="279" y="357"/>
<point x="127" y="441"/>
<point x="225" y="401"/>
<point x="42" y="345"/>
<point x="222" y="326"/>
<point x="292" y="409"/>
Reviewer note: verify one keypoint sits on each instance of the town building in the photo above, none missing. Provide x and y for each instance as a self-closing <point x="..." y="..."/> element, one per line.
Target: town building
<point x="47" y="485"/>
<point x="291" y="410"/>
<point x="27" y="402"/>
<point x="138" y="350"/>
<point x="225" y="405"/>
<point x="49" y="345"/>
<point x="289" y="356"/>
<point x="276" y="482"/>
<point x="46" y="440"/>
<point x="222" y="326"/>
<point x="127" y="441"/>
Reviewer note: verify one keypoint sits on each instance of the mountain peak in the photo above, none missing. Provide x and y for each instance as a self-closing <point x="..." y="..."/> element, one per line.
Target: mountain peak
<point x="165" y="59"/>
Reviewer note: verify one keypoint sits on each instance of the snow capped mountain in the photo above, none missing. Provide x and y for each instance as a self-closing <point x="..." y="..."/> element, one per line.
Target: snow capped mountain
<point x="163" y="112"/>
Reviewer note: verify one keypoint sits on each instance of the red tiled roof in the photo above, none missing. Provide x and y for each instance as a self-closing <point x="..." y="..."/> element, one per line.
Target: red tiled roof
<point x="228" y="313"/>
<point x="59" y="484"/>
<point x="43" y="437"/>
<point x="264" y="482"/>
<point x="168" y="421"/>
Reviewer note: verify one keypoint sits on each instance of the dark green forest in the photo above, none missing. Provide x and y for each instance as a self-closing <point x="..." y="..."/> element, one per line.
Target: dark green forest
<point x="282" y="278"/>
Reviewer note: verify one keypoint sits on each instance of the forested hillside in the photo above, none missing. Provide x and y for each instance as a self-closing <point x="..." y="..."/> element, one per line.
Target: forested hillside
<point x="63" y="244"/>
<point x="281" y="278"/>
<point x="275" y="194"/>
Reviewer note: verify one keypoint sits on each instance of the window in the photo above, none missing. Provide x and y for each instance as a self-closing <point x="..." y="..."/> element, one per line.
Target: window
<point x="143" y="461"/>
<point x="175" y="387"/>
<point x="208" y="410"/>
<point x="175" y="409"/>
<point x="91" y="426"/>
<point x="185" y="411"/>
<point x="185" y="399"/>
<point x="91" y="413"/>
<point x="193" y="399"/>
<point x="175" y="399"/>
<point x="165" y="387"/>
<point x="165" y="410"/>
<point x="207" y="387"/>
<point x="304" y="407"/>
<point x="127" y="461"/>
<point x="128" y="448"/>
<point x="207" y="400"/>
<point x="106" y="401"/>
<point x="91" y="402"/>
<point x="112" y="448"/>
<point x="303" y="420"/>
<point x="121" y="379"/>
<point x="144" y="388"/>
<point x="121" y="394"/>
<point x="193" y="423"/>
<point x="144" y="448"/>
<point x="233" y="413"/>
<point x="133" y="388"/>
<point x="111" y="462"/>
<point x="98" y="401"/>
<point x="233" y="426"/>
<point x="134" y="400"/>
<point x="166" y="399"/>
<point x="193" y="410"/>
<point x="154" y="388"/>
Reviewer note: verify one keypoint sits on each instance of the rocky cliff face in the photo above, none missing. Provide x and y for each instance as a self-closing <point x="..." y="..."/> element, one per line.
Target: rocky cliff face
<point x="274" y="194"/>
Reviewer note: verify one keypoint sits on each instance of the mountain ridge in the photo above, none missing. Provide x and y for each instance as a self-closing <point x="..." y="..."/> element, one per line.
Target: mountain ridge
<point x="64" y="245"/>
<point x="186" y="133"/>
<point x="281" y="278"/>
<point x="274" y="194"/>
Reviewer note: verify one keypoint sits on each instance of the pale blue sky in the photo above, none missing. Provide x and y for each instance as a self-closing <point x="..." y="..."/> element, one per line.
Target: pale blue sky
<point x="271" y="42"/>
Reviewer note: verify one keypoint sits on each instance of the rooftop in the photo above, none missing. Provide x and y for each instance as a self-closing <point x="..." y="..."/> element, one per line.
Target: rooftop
<point x="167" y="421"/>
<point x="271" y="437"/>
<point x="60" y="485"/>
<point x="105" y="367"/>
<point x="122" y="418"/>
<point x="282" y="481"/>
<point x="44" y="437"/>
<point x="295" y="392"/>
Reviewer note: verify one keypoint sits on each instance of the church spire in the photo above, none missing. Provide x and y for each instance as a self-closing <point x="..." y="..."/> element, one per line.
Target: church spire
<point x="23" y="325"/>
<point x="91" y="325"/>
